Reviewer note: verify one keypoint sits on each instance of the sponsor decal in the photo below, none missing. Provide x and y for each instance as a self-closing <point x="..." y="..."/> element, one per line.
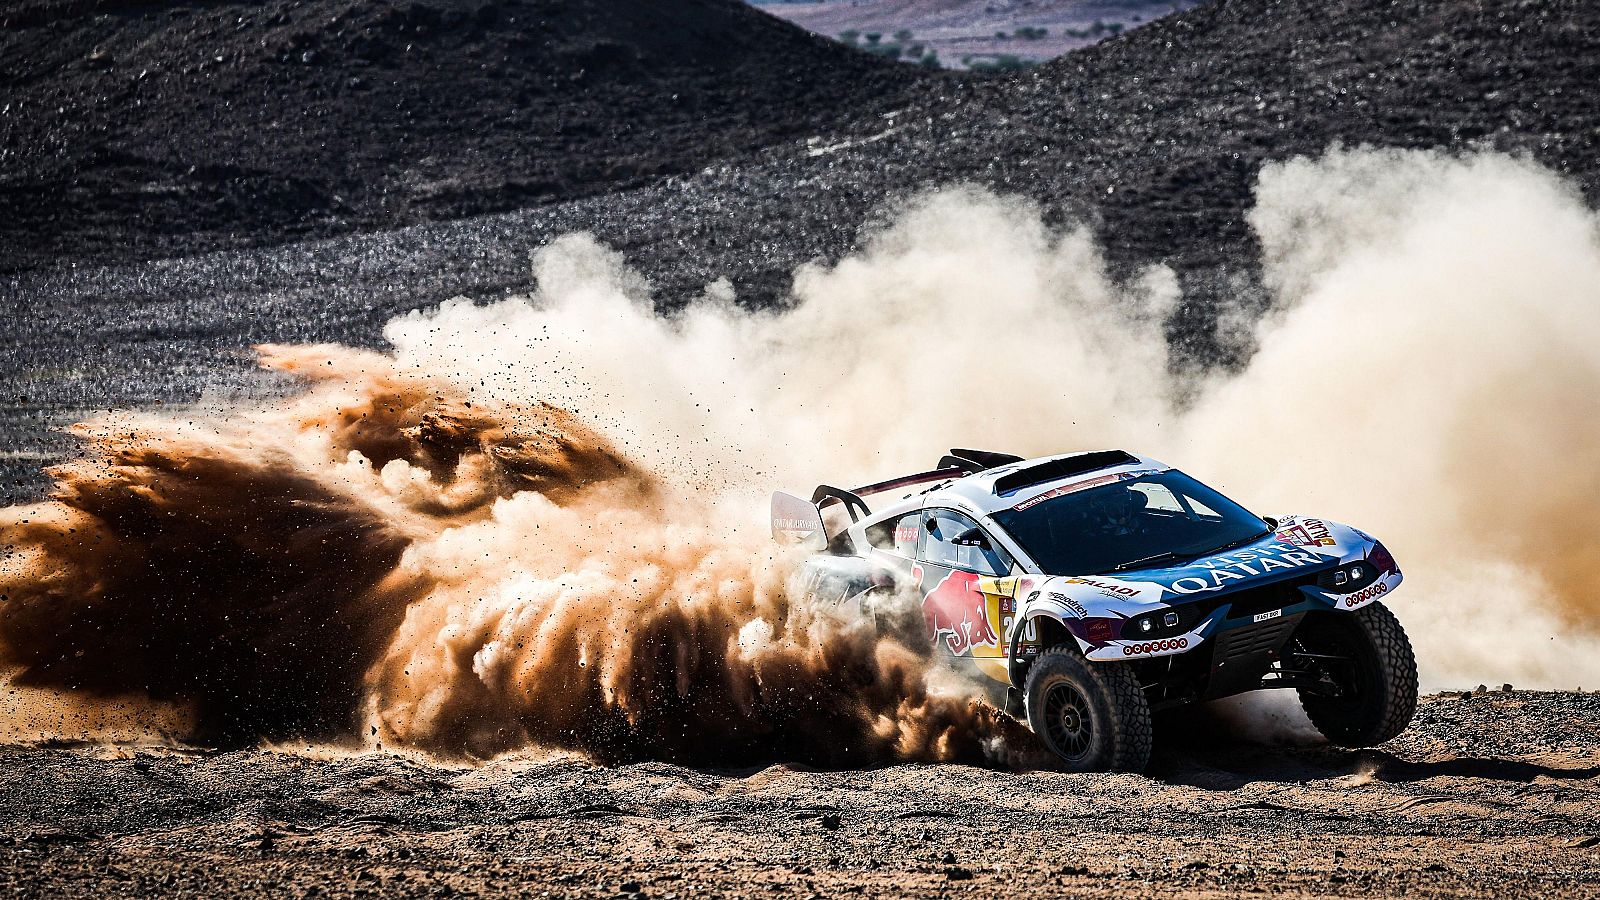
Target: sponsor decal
<point x="1076" y="486"/>
<point x="1367" y="593"/>
<point x="794" y="525"/>
<point x="1069" y="603"/>
<point x="1262" y="617"/>
<point x="1223" y="570"/>
<point x="1156" y="646"/>
<point x="958" y="612"/>
<point x="1106" y="587"/>
<point x="1030" y="629"/>
<point x="906" y="534"/>
<point x="1307" y="533"/>
<point x="1380" y="557"/>
<point x="1098" y="630"/>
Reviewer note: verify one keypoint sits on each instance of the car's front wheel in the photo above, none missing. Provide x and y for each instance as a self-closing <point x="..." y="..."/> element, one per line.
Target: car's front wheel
<point x="1368" y="692"/>
<point x="1094" y="716"/>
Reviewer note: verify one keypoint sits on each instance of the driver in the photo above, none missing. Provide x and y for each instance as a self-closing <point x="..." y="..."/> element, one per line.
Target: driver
<point x="1116" y="512"/>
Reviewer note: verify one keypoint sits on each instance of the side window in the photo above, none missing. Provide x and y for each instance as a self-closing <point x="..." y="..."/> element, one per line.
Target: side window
<point x="940" y="529"/>
<point x="897" y="536"/>
<point x="906" y="533"/>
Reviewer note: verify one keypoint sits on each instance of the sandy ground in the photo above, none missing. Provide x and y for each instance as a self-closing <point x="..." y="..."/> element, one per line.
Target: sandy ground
<point x="1491" y="794"/>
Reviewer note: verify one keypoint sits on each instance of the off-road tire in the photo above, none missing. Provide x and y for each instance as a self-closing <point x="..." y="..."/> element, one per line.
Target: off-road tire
<point x="1386" y="695"/>
<point x="1112" y="702"/>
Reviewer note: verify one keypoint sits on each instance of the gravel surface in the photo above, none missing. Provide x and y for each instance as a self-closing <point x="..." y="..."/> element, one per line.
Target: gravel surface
<point x="1490" y="795"/>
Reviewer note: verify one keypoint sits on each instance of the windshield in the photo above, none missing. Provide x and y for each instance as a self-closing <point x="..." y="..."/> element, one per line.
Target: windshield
<point x="1153" y="520"/>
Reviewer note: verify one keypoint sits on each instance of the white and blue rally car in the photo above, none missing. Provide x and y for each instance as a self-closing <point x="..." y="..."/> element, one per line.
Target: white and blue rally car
<point x="1098" y="588"/>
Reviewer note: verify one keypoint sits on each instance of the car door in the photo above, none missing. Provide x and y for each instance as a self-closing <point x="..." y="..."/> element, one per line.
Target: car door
<point x="962" y="597"/>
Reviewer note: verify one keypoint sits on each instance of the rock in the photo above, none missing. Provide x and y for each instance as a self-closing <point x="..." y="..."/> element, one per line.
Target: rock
<point x="958" y="873"/>
<point x="1481" y="689"/>
<point x="1505" y="688"/>
<point x="830" y="821"/>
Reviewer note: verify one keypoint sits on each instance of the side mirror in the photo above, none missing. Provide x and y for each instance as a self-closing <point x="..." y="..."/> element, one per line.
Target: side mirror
<point x="972" y="537"/>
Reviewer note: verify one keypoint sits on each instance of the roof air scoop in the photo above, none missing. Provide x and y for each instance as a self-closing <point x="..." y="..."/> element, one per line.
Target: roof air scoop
<point x="973" y="461"/>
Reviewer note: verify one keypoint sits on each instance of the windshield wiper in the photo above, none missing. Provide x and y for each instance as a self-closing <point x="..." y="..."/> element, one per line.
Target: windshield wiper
<point x="1232" y="544"/>
<point x="1165" y="555"/>
<point x="1154" y="557"/>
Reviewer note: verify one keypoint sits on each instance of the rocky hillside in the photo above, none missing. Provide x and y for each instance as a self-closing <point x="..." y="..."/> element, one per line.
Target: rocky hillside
<point x="136" y="128"/>
<point x="1155" y="138"/>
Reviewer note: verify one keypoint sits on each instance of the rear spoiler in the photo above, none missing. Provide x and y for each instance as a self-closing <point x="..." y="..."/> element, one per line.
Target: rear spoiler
<point x="798" y="521"/>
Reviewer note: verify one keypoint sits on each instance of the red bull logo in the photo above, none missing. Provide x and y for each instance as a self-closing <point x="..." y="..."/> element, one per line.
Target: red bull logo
<point x="957" y="611"/>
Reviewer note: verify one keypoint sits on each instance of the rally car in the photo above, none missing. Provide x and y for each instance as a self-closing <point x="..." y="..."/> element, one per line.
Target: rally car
<point x="1095" y="589"/>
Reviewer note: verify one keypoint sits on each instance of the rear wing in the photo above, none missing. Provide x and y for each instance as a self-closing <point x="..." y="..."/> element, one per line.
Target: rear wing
<point x="797" y="521"/>
<point x="813" y="523"/>
<point x="816" y="522"/>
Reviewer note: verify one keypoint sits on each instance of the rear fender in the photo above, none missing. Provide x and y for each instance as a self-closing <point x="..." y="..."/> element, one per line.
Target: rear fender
<point x="825" y="580"/>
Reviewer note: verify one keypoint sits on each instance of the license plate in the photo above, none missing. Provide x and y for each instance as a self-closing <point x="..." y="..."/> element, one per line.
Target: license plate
<point x="1262" y="617"/>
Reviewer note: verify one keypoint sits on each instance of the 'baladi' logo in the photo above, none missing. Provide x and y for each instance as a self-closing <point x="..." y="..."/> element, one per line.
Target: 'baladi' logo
<point x="1106" y="587"/>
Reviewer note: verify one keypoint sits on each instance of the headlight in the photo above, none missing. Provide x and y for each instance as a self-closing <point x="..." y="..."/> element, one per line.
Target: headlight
<point x="1348" y="577"/>
<point x="1156" y="623"/>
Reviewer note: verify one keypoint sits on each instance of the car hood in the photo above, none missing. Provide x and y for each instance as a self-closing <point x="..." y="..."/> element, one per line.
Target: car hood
<point x="1297" y="547"/>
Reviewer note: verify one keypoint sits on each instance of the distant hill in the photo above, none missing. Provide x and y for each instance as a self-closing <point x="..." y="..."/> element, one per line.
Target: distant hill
<point x="972" y="33"/>
<point x="136" y="127"/>
<point x="1154" y="139"/>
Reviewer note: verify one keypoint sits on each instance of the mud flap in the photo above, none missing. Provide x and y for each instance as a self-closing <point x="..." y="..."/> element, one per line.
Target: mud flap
<point x="1016" y="707"/>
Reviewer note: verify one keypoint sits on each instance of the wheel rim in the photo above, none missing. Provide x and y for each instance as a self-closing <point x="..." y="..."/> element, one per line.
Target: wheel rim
<point x="1067" y="719"/>
<point x="1339" y="658"/>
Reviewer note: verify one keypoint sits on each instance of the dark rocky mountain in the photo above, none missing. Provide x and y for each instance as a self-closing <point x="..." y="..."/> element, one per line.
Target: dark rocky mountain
<point x="137" y="128"/>
<point x="1155" y="138"/>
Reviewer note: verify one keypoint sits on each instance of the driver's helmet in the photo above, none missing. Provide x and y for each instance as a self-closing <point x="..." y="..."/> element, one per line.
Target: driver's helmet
<point x="1114" y="510"/>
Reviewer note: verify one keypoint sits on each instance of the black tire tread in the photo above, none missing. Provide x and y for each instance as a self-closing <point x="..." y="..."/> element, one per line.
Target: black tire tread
<point x="1132" y="730"/>
<point x="1397" y="664"/>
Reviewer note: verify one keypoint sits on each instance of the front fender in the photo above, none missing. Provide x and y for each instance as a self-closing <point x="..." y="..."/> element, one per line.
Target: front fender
<point x="1094" y="610"/>
<point x="1347" y="544"/>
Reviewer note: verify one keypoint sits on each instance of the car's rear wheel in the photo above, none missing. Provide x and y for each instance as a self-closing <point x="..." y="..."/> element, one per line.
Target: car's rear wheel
<point x="1368" y="692"/>
<point x="1094" y="716"/>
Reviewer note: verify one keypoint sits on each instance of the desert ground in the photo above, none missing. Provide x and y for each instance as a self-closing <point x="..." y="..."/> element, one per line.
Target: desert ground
<point x="1488" y="794"/>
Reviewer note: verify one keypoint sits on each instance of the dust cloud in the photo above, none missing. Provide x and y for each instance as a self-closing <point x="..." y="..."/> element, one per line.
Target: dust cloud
<point x="541" y="521"/>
